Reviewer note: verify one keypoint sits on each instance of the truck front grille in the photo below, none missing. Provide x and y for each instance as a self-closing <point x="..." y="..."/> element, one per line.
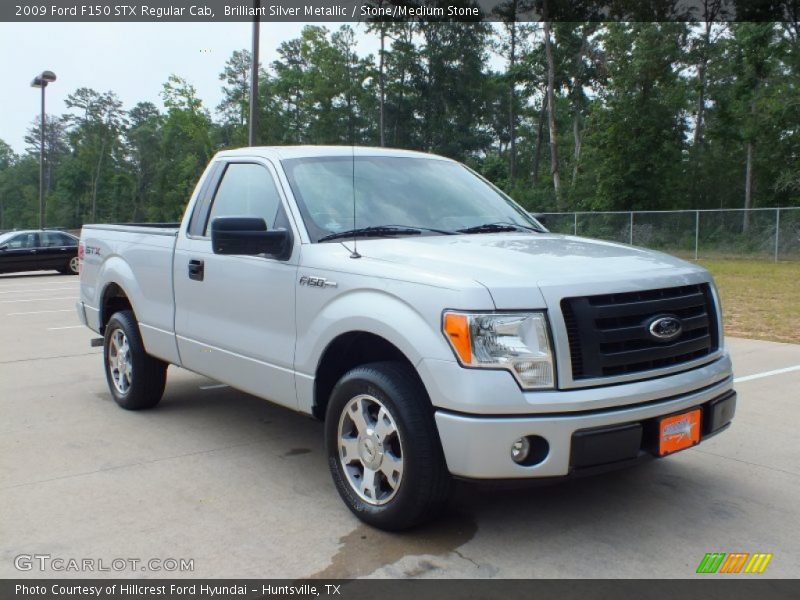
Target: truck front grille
<point x="609" y="334"/>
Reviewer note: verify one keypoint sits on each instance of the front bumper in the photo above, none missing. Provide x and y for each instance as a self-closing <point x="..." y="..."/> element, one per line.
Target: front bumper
<point x="478" y="447"/>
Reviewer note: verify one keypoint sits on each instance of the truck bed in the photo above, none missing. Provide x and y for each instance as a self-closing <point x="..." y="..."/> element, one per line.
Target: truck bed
<point x="140" y="257"/>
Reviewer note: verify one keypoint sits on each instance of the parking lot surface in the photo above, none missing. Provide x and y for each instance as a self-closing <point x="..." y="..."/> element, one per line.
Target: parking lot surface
<point x="241" y="487"/>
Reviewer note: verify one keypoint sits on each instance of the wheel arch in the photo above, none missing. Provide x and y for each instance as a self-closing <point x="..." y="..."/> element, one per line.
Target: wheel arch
<point x="348" y="351"/>
<point x="113" y="299"/>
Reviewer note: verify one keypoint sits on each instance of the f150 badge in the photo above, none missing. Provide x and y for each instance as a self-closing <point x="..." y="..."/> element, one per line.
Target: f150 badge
<point x="319" y="282"/>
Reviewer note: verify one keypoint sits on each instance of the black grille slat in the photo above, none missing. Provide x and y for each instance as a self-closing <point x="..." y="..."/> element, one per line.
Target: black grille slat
<point x="609" y="334"/>
<point x="638" y="332"/>
<point x="648" y="307"/>
<point x="615" y="359"/>
<point x="622" y="334"/>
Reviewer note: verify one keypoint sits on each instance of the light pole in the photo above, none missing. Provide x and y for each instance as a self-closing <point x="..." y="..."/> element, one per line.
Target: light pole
<point x="252" y="138"/>
<point x="41" y="81"/>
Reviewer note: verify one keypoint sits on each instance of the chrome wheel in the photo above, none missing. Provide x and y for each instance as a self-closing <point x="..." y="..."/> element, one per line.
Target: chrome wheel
<point x="370" y="449"/>
<point x="74" y="264"/>
<point x="119" y="361"/>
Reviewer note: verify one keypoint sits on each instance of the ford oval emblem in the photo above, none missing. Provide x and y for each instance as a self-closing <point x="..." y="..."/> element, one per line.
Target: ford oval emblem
<point x="665" y="328"/>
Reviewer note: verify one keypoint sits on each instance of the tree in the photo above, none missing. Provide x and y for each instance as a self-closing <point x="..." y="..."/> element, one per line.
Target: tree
<point x="551" y="111"/>
<point x="185" y="149"/>
<point x="643" y="115"/>
<point x="95" y="138"/>
<point x="636" y="128"/>
<point x="236" y="93"/>
<point x="7" y="160"/>
<point x="144" y="137"/>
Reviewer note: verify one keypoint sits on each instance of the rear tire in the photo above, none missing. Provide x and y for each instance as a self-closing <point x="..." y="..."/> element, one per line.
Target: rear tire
<point x="383" y="448"/>
<point x="136" y="379"/>
<point x="71" y="268"/>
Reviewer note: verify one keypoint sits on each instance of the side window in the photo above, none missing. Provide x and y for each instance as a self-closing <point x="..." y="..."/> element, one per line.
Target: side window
<point x="24" y="240"/>
<point x="246" y="190"/>
<point x="52" y="239"/>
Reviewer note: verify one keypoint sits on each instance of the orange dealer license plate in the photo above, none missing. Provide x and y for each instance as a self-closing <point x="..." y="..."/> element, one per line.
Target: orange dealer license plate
<point x="677" y="432"/>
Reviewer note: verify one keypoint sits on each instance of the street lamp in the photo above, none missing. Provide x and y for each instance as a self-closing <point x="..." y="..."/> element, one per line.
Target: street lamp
<point x="41" y="81"/>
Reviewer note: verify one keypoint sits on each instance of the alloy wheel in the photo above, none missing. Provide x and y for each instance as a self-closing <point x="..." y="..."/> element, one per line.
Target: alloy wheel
<point x="120" y="364"/>
<point x="370" y="449"/>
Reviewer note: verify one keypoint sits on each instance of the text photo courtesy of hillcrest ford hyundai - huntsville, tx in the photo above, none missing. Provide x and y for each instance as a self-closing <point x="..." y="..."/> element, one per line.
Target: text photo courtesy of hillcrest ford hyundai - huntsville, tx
<point x="434" y="299"/>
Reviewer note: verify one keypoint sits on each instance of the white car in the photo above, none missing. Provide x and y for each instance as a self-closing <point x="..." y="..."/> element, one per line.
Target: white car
<point x="437" y="328"/>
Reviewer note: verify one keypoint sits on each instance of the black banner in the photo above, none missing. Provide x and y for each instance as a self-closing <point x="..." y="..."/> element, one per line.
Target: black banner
<point x="737" y="588"/>
<point x="397" y="10"/>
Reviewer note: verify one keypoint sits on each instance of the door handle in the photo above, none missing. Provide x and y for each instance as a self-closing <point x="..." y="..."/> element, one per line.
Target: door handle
<point x="196" y="269"/>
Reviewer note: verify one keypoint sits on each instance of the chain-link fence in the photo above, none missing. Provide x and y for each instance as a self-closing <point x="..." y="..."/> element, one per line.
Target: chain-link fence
<point x="763" y="233"/>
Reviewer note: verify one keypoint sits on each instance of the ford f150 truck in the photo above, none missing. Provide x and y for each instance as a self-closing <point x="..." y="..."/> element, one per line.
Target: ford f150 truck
<point x="436" y="327"/>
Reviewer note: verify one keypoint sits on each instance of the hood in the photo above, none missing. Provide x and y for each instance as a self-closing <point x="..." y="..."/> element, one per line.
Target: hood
<point x="509" y="262"/>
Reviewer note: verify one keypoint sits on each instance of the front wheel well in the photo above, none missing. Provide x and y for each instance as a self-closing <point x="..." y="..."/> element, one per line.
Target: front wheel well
<point x="114" y="300"/>
<point x="346" y="352"/>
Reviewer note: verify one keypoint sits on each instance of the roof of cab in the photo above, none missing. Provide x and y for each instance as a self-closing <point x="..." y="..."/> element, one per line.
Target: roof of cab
<point x="287" y="152"/>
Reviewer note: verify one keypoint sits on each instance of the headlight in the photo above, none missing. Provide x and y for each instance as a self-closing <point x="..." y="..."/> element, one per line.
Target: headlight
<point x="518" y="342"/>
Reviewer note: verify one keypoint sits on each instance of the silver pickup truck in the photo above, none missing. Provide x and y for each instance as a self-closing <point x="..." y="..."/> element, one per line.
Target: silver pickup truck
<point x="436" y="327"/>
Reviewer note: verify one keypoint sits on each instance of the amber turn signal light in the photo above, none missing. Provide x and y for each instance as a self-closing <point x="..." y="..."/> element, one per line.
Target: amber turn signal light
<point x="456" y="327"/>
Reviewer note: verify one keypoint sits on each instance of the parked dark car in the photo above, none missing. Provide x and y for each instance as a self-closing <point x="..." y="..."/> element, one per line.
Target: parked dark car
<point x="38" y="251"/>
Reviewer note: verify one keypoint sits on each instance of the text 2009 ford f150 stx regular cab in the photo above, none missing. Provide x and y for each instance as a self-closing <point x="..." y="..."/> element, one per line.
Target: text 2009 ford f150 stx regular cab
<point x="436" y="327"/>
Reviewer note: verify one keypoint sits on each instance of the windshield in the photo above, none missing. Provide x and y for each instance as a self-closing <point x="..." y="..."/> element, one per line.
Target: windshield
<point x="426" y="193"/>
<point x="4" y="237"/>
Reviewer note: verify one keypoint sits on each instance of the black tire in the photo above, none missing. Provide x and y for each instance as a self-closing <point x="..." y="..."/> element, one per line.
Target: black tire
<point x="147" y="375"/>
<point x="424" y="486"/>
<point x="71" y="267"/>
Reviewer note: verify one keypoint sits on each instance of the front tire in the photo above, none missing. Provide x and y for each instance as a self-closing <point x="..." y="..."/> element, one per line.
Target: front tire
<point x="383" y="447"/>
<point x="136" y="379"/>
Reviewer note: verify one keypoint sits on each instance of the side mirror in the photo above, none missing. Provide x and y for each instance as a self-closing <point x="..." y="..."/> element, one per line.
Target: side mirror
<point x="4" y="247"/>
<point x="248" y="236"/>
<point x="540" y="217"/>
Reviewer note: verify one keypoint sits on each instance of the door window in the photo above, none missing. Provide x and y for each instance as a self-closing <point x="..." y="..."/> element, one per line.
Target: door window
<point x="23" y="241"/>
<point x="246" y="190"/>
<point x="53" y="239"/>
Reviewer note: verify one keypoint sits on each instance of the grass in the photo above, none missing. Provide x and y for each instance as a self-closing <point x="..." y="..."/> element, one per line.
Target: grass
<point x="760" y="299"/>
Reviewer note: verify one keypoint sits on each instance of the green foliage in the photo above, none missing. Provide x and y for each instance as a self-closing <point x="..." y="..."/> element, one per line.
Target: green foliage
<point x="648" y="115"/>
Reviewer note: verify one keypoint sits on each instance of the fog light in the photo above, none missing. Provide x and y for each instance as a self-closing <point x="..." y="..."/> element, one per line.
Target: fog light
<point x="520" y="450"/>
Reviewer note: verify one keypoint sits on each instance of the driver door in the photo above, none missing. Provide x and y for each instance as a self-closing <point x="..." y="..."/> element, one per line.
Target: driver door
<point x="21" y="253"/>
<point x="235" y="315"/>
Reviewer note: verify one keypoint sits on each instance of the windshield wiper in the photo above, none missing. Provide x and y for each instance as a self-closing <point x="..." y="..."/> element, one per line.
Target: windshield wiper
<point x="497" y="227"/>
<point x="374" y="231"/>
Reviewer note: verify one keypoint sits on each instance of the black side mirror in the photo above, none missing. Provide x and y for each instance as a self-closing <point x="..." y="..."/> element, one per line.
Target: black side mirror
<point x="4" y="247"/>
<point x="248" y="236"/>
<point x="540" y="217"/>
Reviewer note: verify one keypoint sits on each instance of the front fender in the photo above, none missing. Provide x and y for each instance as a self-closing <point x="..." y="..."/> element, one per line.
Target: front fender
<point x="414" y="332"/>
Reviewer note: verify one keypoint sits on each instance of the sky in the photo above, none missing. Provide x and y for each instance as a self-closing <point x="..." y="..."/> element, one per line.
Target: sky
<point x="131" y="59"/>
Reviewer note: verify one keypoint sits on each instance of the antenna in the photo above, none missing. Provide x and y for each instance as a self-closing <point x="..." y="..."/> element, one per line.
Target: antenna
<point x="354" y="253"/>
